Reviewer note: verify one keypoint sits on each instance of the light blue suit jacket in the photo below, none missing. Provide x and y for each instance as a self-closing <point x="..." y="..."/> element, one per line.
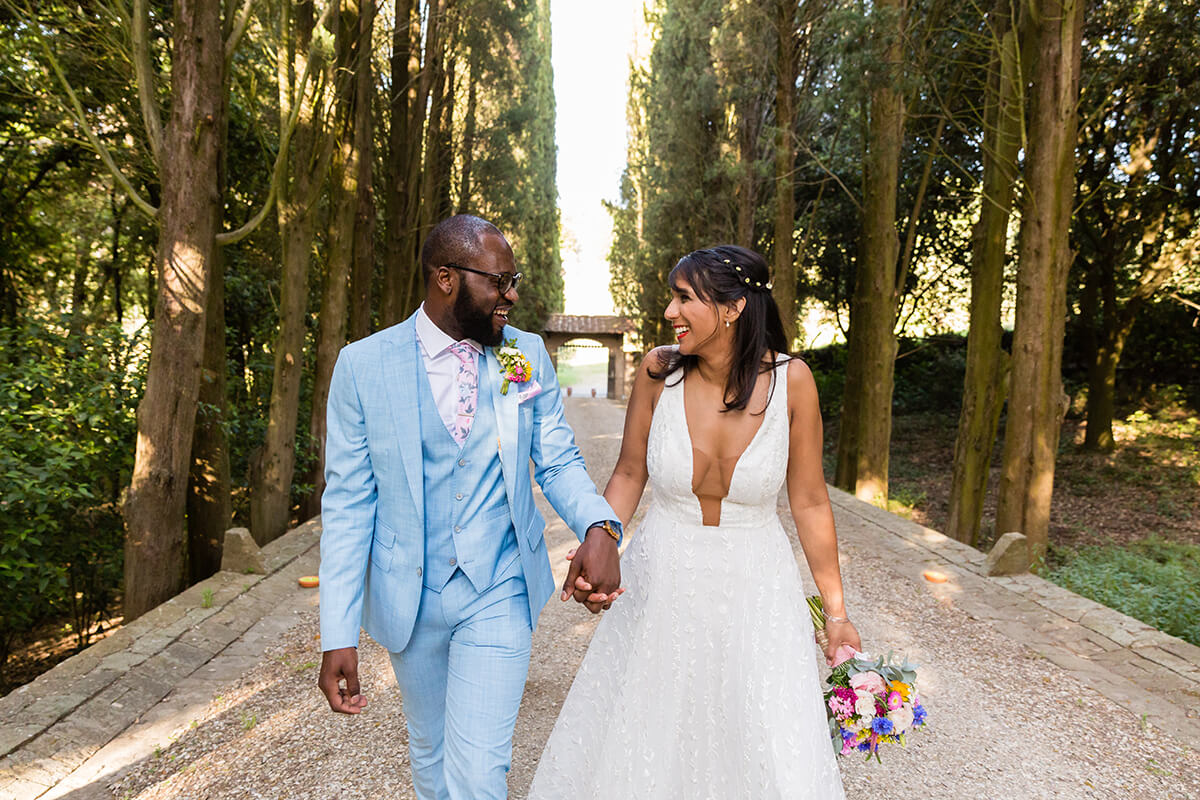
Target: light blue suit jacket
<point x="374" y="495"/>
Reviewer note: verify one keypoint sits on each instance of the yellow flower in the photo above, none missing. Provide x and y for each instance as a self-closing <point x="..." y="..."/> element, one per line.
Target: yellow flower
<point x="903" y="688"/>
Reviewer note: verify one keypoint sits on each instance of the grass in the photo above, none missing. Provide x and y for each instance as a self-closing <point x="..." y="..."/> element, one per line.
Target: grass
<point x="904" y="499"/>
<point x="583" y="376"/>
<point x="1154" y="580"/>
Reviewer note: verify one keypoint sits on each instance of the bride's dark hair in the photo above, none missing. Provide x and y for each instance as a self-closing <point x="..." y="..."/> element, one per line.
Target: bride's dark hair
<point x="722" y="275"/>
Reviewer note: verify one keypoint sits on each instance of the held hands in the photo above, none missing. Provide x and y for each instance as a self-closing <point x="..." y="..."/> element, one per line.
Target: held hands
<point x="843" y="642"/>
<point x="336" y="666"/>
<point x="594" y="577"/>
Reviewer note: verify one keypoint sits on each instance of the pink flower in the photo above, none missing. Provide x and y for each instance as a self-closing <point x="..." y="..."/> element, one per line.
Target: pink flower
<point x="894" y="700"/>
<point x="841" y="708"/>
<point x="869" y="682"/>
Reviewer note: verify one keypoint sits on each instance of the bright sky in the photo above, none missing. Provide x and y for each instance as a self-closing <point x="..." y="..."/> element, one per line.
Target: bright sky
<point x="591" y="48"/>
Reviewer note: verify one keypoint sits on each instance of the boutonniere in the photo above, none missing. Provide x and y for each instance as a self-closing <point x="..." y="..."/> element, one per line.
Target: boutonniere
<point x="514" y="366"/>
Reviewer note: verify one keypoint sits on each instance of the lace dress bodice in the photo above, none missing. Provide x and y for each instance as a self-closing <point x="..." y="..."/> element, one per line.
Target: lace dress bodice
<point x="757" y="476"/>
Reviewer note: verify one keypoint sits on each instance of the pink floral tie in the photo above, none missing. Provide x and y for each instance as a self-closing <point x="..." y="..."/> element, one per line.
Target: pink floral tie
<point x="468" y="391"/>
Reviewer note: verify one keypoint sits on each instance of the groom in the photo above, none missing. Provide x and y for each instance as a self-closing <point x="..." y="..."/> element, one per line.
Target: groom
<point x="431" y="538"/>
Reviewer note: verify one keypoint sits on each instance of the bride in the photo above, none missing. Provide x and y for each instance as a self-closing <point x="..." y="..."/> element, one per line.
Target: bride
<point x="702" y="681"/>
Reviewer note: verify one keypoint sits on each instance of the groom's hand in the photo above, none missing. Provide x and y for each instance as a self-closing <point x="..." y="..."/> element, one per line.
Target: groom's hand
<point x="594" y="577"/>
<point x="336" y="666"/>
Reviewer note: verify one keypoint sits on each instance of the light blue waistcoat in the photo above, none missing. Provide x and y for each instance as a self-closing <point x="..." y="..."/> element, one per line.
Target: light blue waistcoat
<point x="468" y="524"/>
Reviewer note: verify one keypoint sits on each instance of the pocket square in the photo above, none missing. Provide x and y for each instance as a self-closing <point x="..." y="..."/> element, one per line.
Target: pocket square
<point x="530" y="392"/>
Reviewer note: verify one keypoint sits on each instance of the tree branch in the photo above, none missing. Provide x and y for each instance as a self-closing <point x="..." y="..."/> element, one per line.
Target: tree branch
<point x="281" y="158"/>
<point x="239" y="28"/>
<point x="81" y="117"/>
<point x="151" y="116"/>
<point x="910" y="236"/>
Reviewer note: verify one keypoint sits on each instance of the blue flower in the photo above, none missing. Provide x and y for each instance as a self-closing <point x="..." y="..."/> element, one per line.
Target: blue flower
<point x="881" y="725"/>
<point x="846" y="734"/>
<point x="865" y="747"/>
<point x="919" y="714"/>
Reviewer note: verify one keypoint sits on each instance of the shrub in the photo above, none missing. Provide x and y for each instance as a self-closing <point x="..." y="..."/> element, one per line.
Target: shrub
<point x="67" y="431"/>
<point x="928" y="378"/>
<point x="1154" y="580"/>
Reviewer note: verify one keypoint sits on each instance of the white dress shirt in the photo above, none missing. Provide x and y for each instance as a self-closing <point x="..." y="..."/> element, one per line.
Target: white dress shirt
<point x="442" y="365"/>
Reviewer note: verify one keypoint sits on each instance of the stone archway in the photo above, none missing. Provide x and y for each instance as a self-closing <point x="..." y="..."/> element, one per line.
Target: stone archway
<point x="608" y="330"/>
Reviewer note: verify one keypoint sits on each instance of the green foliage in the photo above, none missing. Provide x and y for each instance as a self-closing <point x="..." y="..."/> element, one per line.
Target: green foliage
<point x="1160" y="365"/>
<point x="67" y="427"/>
<point x="929" y="375"/>
<point x="677" y="190"/>
<point x="1154" y="580"/>
<point x="514" y="173"/>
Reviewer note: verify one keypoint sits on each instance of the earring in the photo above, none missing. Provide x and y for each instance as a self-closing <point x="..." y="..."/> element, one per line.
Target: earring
<point x="726" y="323"/>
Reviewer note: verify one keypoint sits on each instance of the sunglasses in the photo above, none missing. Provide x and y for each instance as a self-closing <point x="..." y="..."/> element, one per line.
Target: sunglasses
<point x="504" y="280"/>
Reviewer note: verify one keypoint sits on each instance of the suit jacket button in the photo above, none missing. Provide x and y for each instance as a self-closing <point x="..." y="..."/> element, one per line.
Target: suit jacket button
<point x="453" y="562"/>
<point x="419" y="572"/>
<point x="462" y="462"/>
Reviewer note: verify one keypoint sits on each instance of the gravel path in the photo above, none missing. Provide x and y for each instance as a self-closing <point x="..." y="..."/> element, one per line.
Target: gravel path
<point x="1005" y="723"/>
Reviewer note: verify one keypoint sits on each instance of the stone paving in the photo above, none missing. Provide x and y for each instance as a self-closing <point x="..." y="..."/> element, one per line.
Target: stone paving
<point x="119" y="699"/>
<point x="68" y="732"/>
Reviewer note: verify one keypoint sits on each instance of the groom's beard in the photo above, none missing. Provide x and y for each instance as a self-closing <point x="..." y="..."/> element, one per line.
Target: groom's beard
<point x="475" y="321"/>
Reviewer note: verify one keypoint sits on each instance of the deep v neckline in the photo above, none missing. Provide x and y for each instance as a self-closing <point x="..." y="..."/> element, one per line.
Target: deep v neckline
<point x="737" y="459"/>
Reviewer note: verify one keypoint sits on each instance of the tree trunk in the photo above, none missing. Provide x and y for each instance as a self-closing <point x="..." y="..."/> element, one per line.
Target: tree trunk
<point x="985" y="384"/>
<point x="412" y="291"/>
<point x="872" y="347"/>
<point x="270" y="497"/>
<point x="1102" y="391"/>
<point x="468" y="143"/>
<point x="189" y="217"/>
<point x="400" y="153"/>
<point x="440" y="74"/>
<point x="1037" y="403"/>
<point x="363" y="269"/>
<point x="209" y="502"/>
<point x="784" y="288"/>
<point x="344" y="207"/>
<point x="1107" y="344"/>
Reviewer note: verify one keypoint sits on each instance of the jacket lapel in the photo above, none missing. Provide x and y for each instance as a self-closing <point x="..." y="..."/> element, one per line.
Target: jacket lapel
<point x="401" y="366"/>
<point x="505" y="406"/>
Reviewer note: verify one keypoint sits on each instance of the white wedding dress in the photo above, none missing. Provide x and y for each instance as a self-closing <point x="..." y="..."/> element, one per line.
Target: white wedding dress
<point x="701" y="682"/>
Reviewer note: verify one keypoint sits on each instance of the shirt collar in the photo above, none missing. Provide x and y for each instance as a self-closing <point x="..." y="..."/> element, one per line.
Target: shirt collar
<point x="435" y="341"/>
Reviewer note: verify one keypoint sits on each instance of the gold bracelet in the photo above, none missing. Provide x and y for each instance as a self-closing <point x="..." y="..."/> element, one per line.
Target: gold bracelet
<point x="609" y="529"/>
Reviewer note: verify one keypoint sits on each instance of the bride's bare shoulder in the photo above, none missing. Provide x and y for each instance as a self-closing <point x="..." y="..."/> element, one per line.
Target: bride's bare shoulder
<point x="801" y="385"/>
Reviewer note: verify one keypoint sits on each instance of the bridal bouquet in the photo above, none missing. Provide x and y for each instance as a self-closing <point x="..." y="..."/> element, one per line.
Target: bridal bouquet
<point x="872" y="702"/>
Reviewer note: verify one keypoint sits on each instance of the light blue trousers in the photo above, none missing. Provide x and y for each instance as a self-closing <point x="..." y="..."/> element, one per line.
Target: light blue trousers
<point x="461" y="679"/>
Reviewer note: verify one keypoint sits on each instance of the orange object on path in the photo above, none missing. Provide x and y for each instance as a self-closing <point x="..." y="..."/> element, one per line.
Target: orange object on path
<point x="308" y="581"/>
<point x="933" y="576"/>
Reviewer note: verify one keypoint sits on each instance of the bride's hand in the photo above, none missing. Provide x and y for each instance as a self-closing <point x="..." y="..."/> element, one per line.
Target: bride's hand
<point x="841" y="634"/>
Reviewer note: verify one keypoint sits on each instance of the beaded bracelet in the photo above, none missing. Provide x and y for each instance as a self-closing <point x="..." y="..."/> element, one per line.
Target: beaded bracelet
<point x="831" y="618"/>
